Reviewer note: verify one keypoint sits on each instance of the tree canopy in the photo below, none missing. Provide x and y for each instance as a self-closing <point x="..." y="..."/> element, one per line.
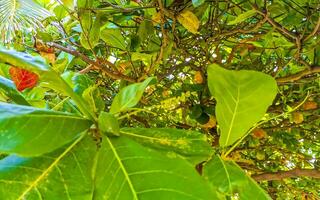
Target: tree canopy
<point x="162" y="99"/>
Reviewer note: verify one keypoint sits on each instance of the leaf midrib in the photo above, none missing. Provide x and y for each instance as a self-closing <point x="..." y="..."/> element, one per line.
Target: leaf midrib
<point x="233" y="115"/>
<point x="113" y="149"/>
<point x="45" y="172"/>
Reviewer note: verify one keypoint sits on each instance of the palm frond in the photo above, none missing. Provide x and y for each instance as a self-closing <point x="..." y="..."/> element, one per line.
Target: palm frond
<point x="19" y="15"/>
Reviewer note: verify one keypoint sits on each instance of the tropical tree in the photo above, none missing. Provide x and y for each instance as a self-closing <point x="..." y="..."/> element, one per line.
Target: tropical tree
<point x="159" y="99"/>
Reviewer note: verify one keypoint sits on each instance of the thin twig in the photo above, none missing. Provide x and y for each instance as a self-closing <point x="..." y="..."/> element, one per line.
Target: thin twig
<point x="108" y="72"/>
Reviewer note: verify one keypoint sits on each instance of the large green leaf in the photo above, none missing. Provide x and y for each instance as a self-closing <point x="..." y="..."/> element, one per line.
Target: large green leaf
<point x="190" y="144"/>
<point x="129" y="96"/>
<point x="120" y="170"/>
<point x="48" y="76"/>
<point x="130" y="171"/>
<point x="230" y="179"/>
<point x="242" y="100"/>
<point x="30" y="131"/>
<point x="63" y="174"/>
<point x="11" y="91"/>
<point x="113" y="38"/>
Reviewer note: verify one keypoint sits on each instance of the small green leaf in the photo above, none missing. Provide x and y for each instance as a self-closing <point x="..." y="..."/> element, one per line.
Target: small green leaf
<point x="113" y="38"/>
<point x="145" y="30"/>
<point x="60" y="12"/>
<point x="30" y="131"/>
<point x="93" y="97"/>
<point x="242" y="17"/>
<point x="242" y="100"/>
<point x="230" y="179"/>
<point x="109" y="124"/>
<point x="146" y="58"/>
<point x="10" y="90"/>
<point x="190" y="144"/>
<point x="129" y="96"/>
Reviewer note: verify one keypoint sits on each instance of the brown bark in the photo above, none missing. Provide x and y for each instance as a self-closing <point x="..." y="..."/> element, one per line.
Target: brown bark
<point x="312" y="173"/>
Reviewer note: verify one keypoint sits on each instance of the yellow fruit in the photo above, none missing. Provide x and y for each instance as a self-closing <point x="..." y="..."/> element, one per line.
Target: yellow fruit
<point x="297" y="117"/>
<point x="156" y="18"/>
<point x="198" y="78"/>
<point x="259" y="133"/>
<point x="310" y="105"/>
<point x="51" y="57"/>
<point x="165" y="93"/>
<point x="211" y="123"/>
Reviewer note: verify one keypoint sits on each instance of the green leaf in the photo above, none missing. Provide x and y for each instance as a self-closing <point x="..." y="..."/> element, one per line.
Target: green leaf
<point x="145" y="30"/>
<point x="113" y="38"/>
<point x="146" y="58"/>
<point x="119" y="169"/>
<point x="242" y="100"/>
<point x="91" y="31"/>
<point x="190" y="144"/>
<point x="242" y="17"/>
<point x="30" y="131"/>
<point x="60" y="12"/>
<point x="81" y="82"/>
<point x="131" y="171"/>
<point x="10" y="90"/>
<point x="63" y="174"/>
<point x="93" y="98"/>
<point x="48" y="77"/>
<point x="108" y="124"/>
<point x="230" y="179"/>
<point x="129" y="96"/>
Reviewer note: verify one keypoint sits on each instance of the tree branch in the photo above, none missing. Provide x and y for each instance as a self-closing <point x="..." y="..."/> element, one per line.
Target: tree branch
<point x="108" y="72"/>
<point x="313" y="173"/>
<point x="297" y="76"/>
<point x="315" y="30"/>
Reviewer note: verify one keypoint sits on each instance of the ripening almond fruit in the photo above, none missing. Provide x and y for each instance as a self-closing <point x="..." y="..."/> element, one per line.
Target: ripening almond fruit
<point x="156" y="18"/>
<point x="211" y="123"/>
<point x="297" y="117"/>
<point x="310" y="105"/>
<point x="165" y="93"/>
<point x="198" y="78"/>
<point x="51" y="57"/>
<point x="259" y="133"/>
<point x="251" y="47"/>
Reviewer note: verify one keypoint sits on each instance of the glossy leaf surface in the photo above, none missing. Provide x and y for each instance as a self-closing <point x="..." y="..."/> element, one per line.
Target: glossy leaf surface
<point x="190" y="144"/>
<point x="242" y="100"/>
<point x="30" y="131"/>
<point x="230" y="179"/>
<point x="129" y="96"/>
<point x="10" y="90"/>
<point x="131" y="171"/>
<point x="121" y="169"/>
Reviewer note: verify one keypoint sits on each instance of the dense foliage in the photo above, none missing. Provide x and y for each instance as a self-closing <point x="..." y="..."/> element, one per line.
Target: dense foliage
<point x="164" y="99"/>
